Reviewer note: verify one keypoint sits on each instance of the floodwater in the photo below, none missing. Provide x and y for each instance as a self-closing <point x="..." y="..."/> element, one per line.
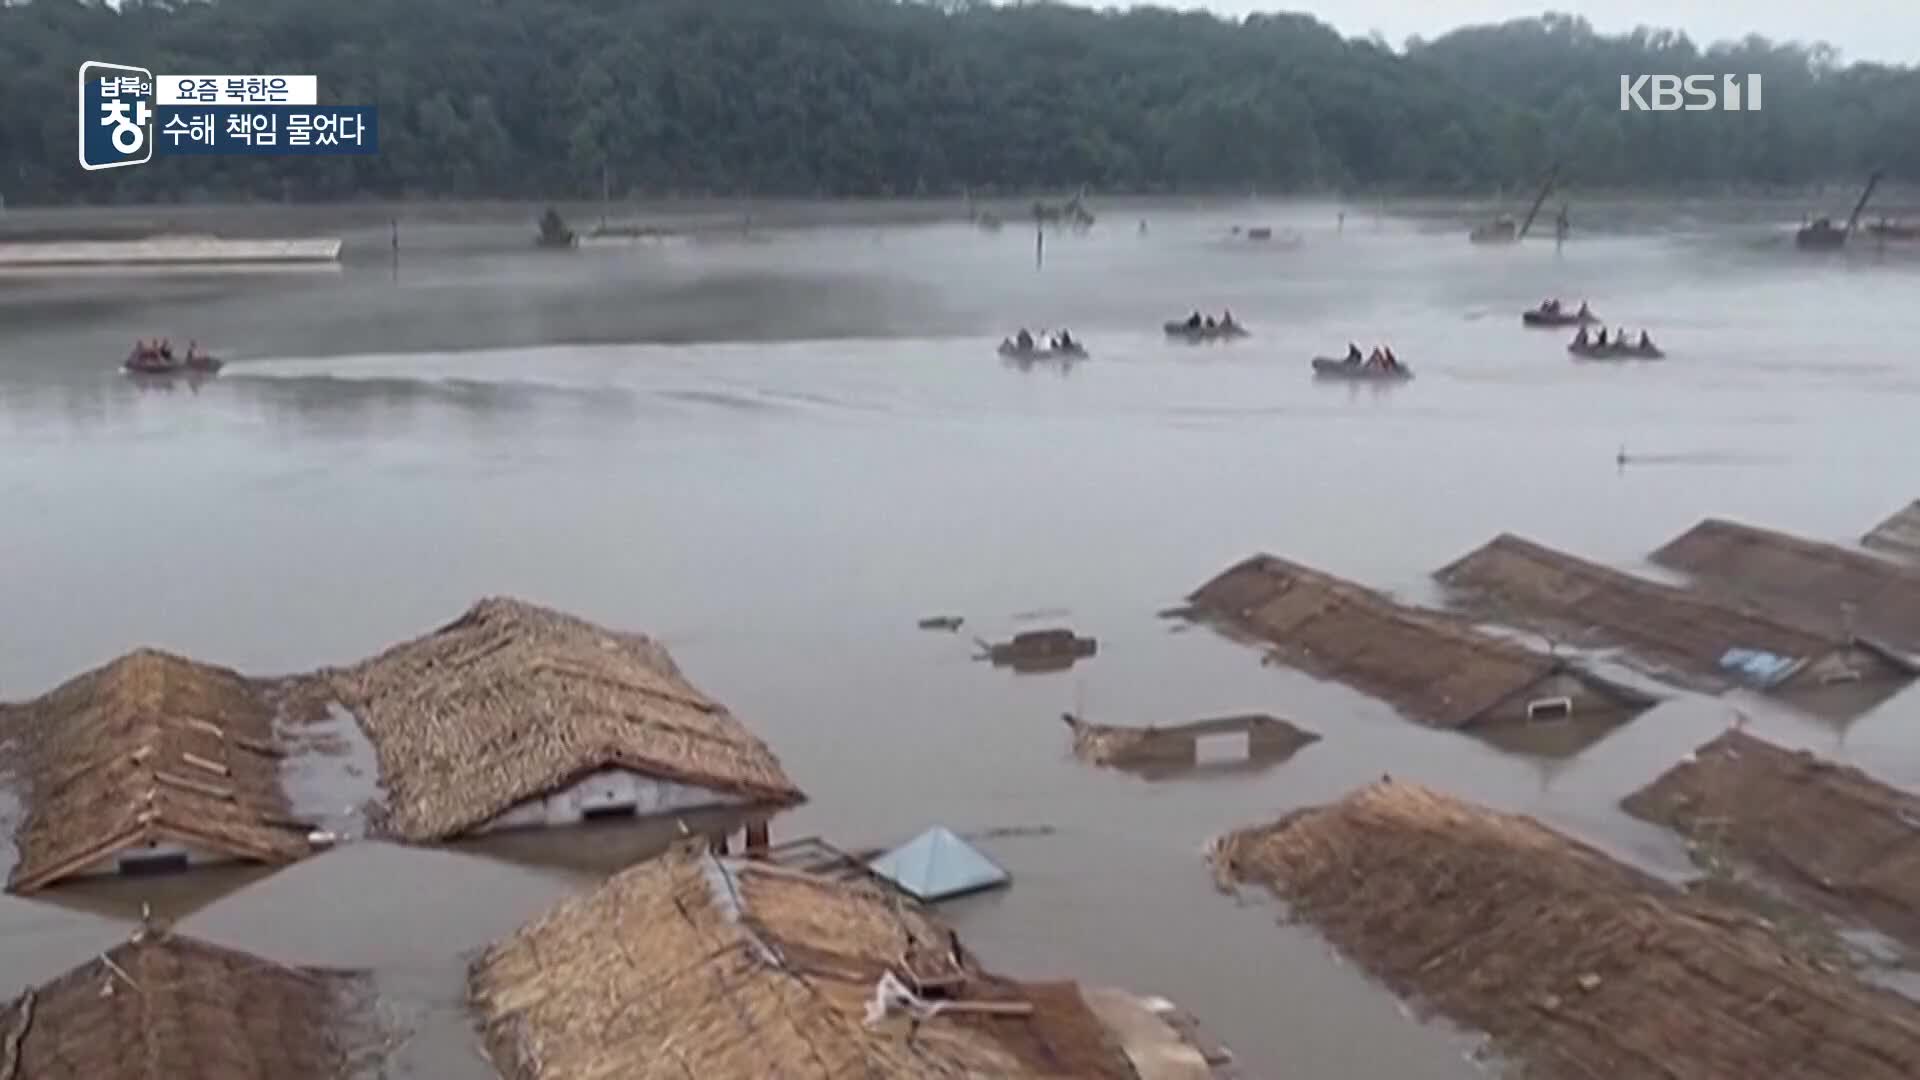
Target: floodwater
<point x="776" y="451"/>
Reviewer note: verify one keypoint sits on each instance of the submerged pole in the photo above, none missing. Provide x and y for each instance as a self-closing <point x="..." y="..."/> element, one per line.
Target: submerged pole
<point x="1039" y="245"/>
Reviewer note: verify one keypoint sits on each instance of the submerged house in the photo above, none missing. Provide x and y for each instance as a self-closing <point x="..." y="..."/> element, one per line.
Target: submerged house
<point x="1576" y="965"/>
<point x="1898" y="535"/>
<point x="1828" y="834"/>
<point x="1433" y="667"/>
<point x="1840" y="589"/>
<point x="519" y="716"/>
<point x="150" y="762"/>
<point x="1682" y="634"/>
<point x="161" y="1007"/>
<point x="1220" y="744"/>
<point x="726" y="967"/>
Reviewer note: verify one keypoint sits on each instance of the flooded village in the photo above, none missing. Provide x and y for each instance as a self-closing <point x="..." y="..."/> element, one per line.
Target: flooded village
<point x="853" y="704"/>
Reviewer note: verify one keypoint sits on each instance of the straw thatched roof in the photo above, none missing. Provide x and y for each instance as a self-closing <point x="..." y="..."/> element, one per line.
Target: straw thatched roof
<point x="162" y="1007"/>
<point x="151" y="748"/>
<point x="698" y="966"/>
<point x="1899" y="534"/>
<point x="1671" y="628"/>
<point x="511" y="702"/>
<point x="1809" y="580"/>
<point x="1833" y="836"/>
<point x="1578" y="967"/>
<point x="1434" y="667"/>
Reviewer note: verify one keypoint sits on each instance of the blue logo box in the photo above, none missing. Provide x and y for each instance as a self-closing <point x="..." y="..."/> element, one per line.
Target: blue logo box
<point x="116" y="115"/>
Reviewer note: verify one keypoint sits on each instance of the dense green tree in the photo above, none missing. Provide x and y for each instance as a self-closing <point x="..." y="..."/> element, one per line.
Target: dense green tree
<point x="544" y="98"/>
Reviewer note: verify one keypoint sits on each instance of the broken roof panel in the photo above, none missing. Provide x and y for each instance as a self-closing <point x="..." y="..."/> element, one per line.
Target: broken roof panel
<point x="511" y="702"/>
<point x="151" y="749"/>
<point x="1899" y="534"/>
<point x="161" y="1007"/>
<point x="695" y="965"/>
<point x="1432" y="666"/>
<point x="938" y="865"/>
<point x="1667" y="629"/>
<point x="1577" y="965"/>
<point x="1841" y="590"/>
<point x="1833" y="836"/>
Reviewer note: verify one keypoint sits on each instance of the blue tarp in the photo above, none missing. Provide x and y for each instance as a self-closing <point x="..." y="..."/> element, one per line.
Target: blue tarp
<point x="1761" y="667"/>
<point x="936" y="865"/>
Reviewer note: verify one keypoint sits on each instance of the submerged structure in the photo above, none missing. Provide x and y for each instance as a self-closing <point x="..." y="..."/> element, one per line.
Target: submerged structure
<point x="1433" y="667"/>
<point x="515" y="715"/>
<point x="1575" y="964"/>
<point x="1898" y="535"/>
<point x="735" y="968"/>
<point x="1841" y="590"/>
<point x="938" y="865"/>
<point x="161" y="1007"/>
<point x="1830" y="835"/>
<point x="1684" y="635"/>
<point x="1161" y="751"/>
<point x="153" y="761"/>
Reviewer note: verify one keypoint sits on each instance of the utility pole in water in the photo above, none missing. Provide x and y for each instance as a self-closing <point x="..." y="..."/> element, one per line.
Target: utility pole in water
<point x="1039" y="244"/>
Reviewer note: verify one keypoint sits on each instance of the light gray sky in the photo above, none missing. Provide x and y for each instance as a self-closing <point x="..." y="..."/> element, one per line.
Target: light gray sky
<point x="1887" y="31"/>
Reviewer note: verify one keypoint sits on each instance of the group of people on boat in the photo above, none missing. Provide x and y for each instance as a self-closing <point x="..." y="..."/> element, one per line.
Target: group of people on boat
<point x="157" y="354"/>
<point x="1620" y="341"/>
<point x="1196" y="322"/>
<point x="1552" y="306"/>
<point x="1060" y="342"/>
<point x="1381" y="358"/>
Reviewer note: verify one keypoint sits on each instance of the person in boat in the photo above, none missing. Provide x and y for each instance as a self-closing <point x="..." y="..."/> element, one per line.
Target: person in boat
<point x="1226" y="319"/>
<point x="1580" y="339"/>
<point x="1065" y="340"/>
<point x="1584" y="313"/>
<point x="1392" y="361"/>
<point x="1193" y="321"/>
<point x="1601" y="341"/>
<point x="1023" y="340"/>
<point x="1376" y="357"/>
<point x="166" y="349"/>
<point x="1646" y="343"/>
<point x="1353" y="353"/>
<point x="1210" y="323"/>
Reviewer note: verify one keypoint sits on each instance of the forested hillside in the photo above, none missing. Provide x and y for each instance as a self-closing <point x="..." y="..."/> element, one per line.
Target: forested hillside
<point x="535" y="97"/>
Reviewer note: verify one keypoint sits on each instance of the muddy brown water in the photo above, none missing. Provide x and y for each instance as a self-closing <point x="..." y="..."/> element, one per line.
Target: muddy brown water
<point x="778" y="454"/>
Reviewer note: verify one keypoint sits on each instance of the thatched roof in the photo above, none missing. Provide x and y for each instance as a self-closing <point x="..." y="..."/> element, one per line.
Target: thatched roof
<point x="162" y="1007"/>
<point x="697" y="966"/>
<point x="1809" y="580"/>
<point x="150" y="748"/>
<point x="1577" y="966"/>
<point x="1434" y="667"/>
<point x="1671" y="628"/>
<point x="511" y="701"/>
<point x="1833" y="836"/>
<point x="1899" y="534"/>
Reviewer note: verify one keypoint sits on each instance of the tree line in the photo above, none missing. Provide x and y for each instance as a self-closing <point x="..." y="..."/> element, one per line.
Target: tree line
<point x="549" y="98"/>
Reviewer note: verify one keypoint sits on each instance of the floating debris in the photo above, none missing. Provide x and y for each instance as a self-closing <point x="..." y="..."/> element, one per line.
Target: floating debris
<point x="948" y="623"/>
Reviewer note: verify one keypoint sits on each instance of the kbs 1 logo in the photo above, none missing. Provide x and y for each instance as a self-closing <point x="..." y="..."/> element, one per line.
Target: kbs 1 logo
<point x="1666" y="93"/>
<point x="128" y="112"/>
